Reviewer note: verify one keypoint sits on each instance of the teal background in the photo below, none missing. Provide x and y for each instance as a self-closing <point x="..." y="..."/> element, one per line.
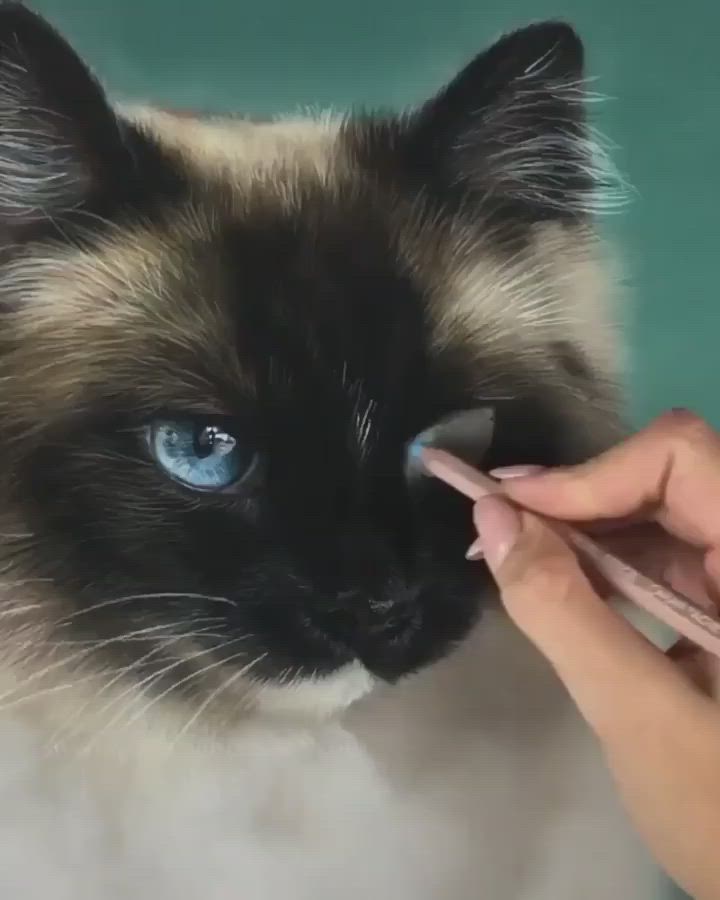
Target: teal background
<point x="658" y="60"/>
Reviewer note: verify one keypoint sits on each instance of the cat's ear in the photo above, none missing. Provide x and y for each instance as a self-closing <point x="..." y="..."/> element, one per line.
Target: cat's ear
<point x="510" y="131"/>
<point x="60" y="142"/>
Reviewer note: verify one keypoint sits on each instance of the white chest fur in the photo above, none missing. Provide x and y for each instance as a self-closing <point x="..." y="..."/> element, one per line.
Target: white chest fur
<point x="473" y="780"/>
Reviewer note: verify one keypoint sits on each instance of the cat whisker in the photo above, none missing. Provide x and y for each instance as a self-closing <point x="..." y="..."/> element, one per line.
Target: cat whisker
<point x="138" y="639"/>
<point x="117" y="675"/>
<point x="151" y="679"/>
<point x="18" y="610"/>
<point x="129" y="598"/>
<point x="214" y="694"/>
<point x="42" y="692"/>
<point x="73" y="657"/>
<point x="136" y="635"/>
<point x="21" y="582"/>
<point x="173" y="687"/>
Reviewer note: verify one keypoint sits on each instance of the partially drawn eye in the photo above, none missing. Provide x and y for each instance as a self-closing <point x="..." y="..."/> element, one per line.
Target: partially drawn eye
<point x="199" y="454"/>
<point x="468" y="434"/>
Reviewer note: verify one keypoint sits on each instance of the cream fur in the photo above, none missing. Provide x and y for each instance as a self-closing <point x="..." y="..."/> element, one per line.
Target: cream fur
<point x="473" y="781"/>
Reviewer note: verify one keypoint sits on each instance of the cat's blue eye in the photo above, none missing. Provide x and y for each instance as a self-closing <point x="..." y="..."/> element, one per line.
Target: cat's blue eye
<point x="203" y="456"/>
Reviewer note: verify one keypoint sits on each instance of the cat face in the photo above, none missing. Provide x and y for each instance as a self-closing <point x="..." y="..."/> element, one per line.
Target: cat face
<point x="218" y="338"/>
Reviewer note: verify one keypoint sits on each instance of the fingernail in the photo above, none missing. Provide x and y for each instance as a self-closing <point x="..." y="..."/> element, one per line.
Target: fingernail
<point x="498" y="526"/>
<point x="506" y="472"/>
<point x="475" y="551"/>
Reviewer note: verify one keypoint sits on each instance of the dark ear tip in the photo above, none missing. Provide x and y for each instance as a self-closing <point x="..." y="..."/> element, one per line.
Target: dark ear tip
<point x="560" y="33"/>
<point x="8" y="7"/>
<point x="14" y="15"/>
<point x="556" y="30"/>
<point x="554" y="41"/>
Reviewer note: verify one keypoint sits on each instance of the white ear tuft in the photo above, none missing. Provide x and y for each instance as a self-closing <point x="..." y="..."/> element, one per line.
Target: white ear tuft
<point x="511" y="130"/>
<point x="57" y="132"/>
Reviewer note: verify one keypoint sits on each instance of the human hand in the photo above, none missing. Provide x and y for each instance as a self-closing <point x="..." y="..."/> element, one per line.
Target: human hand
<point x="656" y="497"/>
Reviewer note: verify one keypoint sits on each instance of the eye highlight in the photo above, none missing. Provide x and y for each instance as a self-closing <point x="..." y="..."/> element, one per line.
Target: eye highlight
<point x="202" y="455"/>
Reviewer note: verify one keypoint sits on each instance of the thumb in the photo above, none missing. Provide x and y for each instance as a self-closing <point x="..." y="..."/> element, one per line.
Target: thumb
<point x="610" y="670"/>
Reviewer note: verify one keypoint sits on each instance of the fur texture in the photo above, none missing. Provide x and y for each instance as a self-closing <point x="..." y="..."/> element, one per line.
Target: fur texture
<point x="291" y="684"/>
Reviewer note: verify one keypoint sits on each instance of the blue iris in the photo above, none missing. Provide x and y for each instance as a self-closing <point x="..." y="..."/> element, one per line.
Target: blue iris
<point x="200" y="455"/>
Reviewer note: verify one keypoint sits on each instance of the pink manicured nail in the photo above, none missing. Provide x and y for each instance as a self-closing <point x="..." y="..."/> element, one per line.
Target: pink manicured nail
<point x="506" y="472"/>
<point x="498" y="525"/>
<point x="475" y="551"/>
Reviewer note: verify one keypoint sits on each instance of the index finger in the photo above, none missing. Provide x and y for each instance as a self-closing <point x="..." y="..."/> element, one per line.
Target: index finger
<point x="669" y="471"/>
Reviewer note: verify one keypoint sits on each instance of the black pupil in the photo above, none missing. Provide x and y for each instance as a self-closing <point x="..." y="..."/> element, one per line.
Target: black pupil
<point x="206" y="438"/>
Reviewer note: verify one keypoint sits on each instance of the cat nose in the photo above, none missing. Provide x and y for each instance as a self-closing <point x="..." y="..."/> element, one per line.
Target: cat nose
<point x="375" y="627"/>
